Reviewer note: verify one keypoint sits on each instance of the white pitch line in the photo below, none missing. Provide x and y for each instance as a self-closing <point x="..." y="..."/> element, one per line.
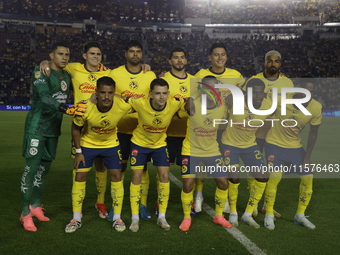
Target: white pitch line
<point x="237" y="234"/>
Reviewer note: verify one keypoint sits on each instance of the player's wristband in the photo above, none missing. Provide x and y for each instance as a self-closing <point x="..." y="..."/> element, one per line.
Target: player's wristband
<point x="78" y="150"/>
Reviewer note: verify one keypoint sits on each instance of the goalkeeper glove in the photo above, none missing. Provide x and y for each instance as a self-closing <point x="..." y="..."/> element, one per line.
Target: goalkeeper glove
<point x="76" y="109"/>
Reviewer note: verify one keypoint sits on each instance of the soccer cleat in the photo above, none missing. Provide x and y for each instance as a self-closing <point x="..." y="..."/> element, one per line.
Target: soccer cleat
<point x="220" y="220"/>
<point x="28" y="223"/>
<point x="101" y="210"/>
<point x="118" y="225"/>
<point x="144" y="213"/>
<point x="185" y="225"/>
<point x="226" y="208"/>
<point x="73" y="226"/>
<point x="163" y="224"/>
<point x="250" y="221"/>
<point x="302" y="220"/>
<point x="233" y="219"/>
<point x="198" y="204"/>
<point x="269" y="222"/>
<point x="134" y="227"/>
<point x="255" y="212"/>
<point x="192" y="210"/>
<point x="109" y="217"/>
<point x="38" y="213"/>
<point x="276" y="214"/>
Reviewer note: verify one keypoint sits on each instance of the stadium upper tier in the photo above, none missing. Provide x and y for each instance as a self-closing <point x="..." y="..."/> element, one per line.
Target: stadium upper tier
<point x="174" y="11"/>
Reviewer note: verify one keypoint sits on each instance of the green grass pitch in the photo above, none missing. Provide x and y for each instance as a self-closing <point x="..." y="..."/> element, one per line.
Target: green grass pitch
<point x="96" y="236"/>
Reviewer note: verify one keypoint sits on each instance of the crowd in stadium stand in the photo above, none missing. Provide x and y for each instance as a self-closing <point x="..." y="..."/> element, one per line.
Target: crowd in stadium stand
<point x="172" y="11"/>
<point x="25" y="47"/>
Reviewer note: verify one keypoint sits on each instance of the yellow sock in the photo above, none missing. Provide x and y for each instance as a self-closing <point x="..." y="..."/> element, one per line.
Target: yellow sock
<point x="163" y="196"/>
<point x="255" y="195"/>
<point x="233" y="194"/>
<point x="117" y="195"/>
<point x="78" y="195"/>
<point x="144" y="188"/>
<point x="271" y="188"/>
<point x="220" y="198"/>
<point x="101" y="181"/>
<point x="199" y="182"/>
<point x="134" y="198"/>
<point x="187" y="200"/>
<point x="305" y="193"/>
<point x="251" y="181"/>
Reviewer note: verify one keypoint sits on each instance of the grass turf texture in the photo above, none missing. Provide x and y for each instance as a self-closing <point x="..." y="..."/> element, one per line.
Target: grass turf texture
<point x="97" y="236"/>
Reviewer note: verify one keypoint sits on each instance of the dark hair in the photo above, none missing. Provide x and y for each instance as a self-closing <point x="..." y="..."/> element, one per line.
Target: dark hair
<point x="209" y="77"/>
<point x="307" y="79"/>
<point x="177" y="50"/>
<point x="107" y="81"/>
<point x="217" y="45"/>
<point x="253" y="82"/>
<point x="58" y="44"/>
<point x="158" y="82"/>
<point x="134" y="43"/>
<point x="92" y="45"/>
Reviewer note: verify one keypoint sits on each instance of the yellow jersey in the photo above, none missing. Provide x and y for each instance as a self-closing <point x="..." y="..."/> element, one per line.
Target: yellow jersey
<point x="288" y="137"/>
<point x="179" y="88"/>
<point x="241" y="129"/>
<point x="130" y="84"/>
<point x="100" y="128"/>
<point x="83" y="81"/>
<point x="153" y="124"/>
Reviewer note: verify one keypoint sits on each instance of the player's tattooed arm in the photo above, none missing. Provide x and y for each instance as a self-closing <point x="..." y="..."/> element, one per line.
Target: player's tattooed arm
<point x="76" y="134"/>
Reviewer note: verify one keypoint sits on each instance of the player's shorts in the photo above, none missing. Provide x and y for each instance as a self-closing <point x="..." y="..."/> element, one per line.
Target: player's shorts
<point x="203" y="167"/>
<point x="125" y="142"/>
<point x="175" y="148"/>
<point x="39" y="147"/>
<point x="251" y="157"/>
<point x="290" y="160"/>
<point x="139" y="156"/>
<point x="111" y="157"/>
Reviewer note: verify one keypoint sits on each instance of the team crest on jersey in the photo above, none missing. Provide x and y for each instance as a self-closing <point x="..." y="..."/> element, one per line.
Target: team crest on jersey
<point x="183" y="89"/>
<point x="34" y="142"/>
<point x="37" y="74"/>
<point x="184" y="169"/>
<point x="208" y="121"/>
<point x="92" y="77"/>
<point x="133" y="160"/>
<point x="63" y="85"/>
<point x="105" y="123"/>
<point x="133" y="85"/>
<point x="33" y="151"/>
<point x="157" y="121"/>
<point x="271" y="157"/>
<point x="134" y="152"/>
<point x="185" y="161"/>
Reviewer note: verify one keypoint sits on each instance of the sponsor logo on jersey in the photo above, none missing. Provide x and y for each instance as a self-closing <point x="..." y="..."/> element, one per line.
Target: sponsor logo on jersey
<point x="63" y="85"/>
<point x="226" y="153"/>
<point x="271" y="157"/>
<point x="134" y="153"/>
<point x="183" y="89"/>
<point x="60" y="97"/>
<point x="37" y="74"/>
<point x="201" y="131"/>
<point x="87" y="88"/>
<point x="185" y="161"/>
<point x="103" y="131"/>
<point x="152" y="129"/>
<point x="33" y="151"/>
<point x="157" y="121"/>
<point x="180" y="96"/>
<point x="133" y="85"/>
<point x="208" y="121"/>
<point x="34" y="142"/>
<point x="38" y="81"/>
<point x="105" y="123"/>
<point x="92" y="77"/>
<point x="184" y="169"/>
<point x="127" y="93"/>
<point x="133" y="160"/>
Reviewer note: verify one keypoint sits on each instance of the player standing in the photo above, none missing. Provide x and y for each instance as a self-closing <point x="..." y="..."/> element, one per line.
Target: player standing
<point x="42" y="129"/>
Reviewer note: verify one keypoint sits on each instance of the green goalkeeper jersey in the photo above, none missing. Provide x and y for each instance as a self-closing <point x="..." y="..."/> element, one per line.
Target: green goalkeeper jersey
<point x="49" y="92"/>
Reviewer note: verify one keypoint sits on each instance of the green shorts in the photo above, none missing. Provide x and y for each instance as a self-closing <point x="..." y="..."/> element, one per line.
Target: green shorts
<point x="39" y="147"/>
